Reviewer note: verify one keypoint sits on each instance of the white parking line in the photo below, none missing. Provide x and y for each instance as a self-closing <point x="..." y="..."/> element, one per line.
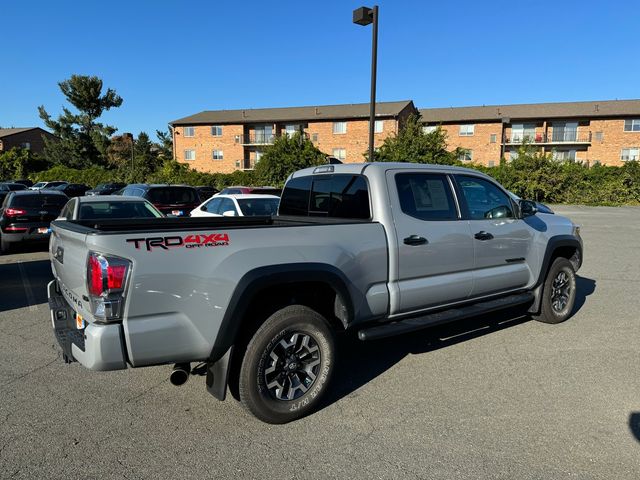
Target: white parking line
<point x="31" y="299"/>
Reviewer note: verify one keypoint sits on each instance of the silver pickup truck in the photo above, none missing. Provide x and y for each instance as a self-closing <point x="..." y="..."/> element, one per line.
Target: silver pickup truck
<point x="378" y="248"/>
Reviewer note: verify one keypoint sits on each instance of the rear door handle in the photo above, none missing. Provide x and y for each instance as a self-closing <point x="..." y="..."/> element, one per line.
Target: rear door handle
<point x="415" y="240"/>
<point x="482" y="235"/>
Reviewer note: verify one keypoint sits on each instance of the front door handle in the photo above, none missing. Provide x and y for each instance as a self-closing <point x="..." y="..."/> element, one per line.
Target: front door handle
<point x="482" y="235"/>
<point x="415" y="240"/>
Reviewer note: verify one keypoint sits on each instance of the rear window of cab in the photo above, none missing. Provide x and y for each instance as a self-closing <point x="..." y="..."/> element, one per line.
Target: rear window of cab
<point x="335" y="196"/>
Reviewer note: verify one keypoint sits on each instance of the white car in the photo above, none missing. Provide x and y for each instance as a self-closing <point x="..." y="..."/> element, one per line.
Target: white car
<point x="241" y="205"/>
<point x="47" y="185"/>
<point x="105" y="207"/>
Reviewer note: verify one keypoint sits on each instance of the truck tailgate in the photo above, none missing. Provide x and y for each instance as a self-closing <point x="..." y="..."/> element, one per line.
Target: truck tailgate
<point x="68" y="253"/>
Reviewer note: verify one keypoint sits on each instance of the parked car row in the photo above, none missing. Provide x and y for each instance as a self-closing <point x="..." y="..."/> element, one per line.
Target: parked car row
<point x="27" y="211"/>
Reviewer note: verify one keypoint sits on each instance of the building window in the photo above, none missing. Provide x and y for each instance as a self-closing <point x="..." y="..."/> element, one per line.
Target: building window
<point x="569" y="155"/>
<point x="630" y="154"/>
<point x="467" y="130"/>
<point x="314" y="137"/>
<point x="189" y="131"/>
<point x="218" y="155"/>
<point x="492" y="163"/>
<point x="340" y="153"/>
<point x="237" y="163"/>
<point x="632" y="125"/>
<point x="429" y="129"/>
<point x="465" y="156"/>
<point x="189" y="154"/>
<point x="26" y="145"/>
<point x="216" y="131"/>
<point x="493" y="138"/>
<point x="378" y="126"/>
<point x="599" y="136"/>
<point x="339" y="127"/>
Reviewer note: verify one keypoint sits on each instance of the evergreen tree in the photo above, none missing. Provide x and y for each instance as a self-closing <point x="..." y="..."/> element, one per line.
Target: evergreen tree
<point x="83" y="141"/>
<point x="165" y="144"/>
<point x="411" y="144"/>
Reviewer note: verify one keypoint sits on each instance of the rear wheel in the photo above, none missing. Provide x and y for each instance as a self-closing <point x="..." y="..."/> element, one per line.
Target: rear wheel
<point x="558" y="292"/>
<point x="287" y="366"/>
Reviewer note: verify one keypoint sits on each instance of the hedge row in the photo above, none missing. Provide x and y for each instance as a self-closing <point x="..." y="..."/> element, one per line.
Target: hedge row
<point x="534" y="177"/>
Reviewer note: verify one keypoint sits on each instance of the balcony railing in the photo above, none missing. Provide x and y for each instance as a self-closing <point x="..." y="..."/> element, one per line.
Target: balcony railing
<point x="256" y="139"/>
<point x="248" y="163"/>
<point x="264" y="138"/>
<point x="562" y="136"/>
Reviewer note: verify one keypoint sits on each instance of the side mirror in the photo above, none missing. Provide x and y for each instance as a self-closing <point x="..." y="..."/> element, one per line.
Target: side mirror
<point x="229" y="213"/>
<point x="528" y="208"/>
<point x="203" y="208"/>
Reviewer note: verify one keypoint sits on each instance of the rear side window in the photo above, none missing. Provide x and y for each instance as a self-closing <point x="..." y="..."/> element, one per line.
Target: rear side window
<point x="426" y="196"/>
<point x="213" y="205"/>
<point x="172" y="195"/>
<point x="337" y="196"/>
<point x="133" y="192"/>
<point x="295" y="197"/>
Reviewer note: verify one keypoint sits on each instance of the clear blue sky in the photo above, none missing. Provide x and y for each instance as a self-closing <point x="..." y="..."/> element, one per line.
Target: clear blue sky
<point x="170" y="59"/>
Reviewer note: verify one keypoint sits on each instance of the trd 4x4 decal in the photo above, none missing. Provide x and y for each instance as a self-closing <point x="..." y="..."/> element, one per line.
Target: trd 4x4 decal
<point x="189" y="241"/>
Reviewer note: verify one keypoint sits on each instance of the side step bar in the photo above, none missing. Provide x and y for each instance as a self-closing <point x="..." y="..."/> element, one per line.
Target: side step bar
<point x="444" y="316"/>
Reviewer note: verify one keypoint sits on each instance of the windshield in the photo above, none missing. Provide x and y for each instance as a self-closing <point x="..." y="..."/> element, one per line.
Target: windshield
<point x="39" y="184"/>
<point x="172" y="196"/>
<point x="111" y="209"/>
<point x="258" y="206"/>
<point x="100" y="186"/>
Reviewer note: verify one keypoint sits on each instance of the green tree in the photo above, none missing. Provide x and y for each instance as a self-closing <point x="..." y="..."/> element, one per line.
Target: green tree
<point x="285" y="156"/>
<point x="412" y="144"/>
<point x="20" y="162"/>
<point x="165" y="144"/>
<point x="83" y="141"/>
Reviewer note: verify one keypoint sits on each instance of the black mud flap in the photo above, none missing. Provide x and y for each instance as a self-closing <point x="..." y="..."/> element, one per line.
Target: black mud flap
<point x="218" y="375"/>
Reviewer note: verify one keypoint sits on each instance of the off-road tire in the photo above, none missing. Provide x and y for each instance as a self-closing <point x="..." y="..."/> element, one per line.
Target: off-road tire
<point x="295" y="324"/>
<point x="558" y="292"/>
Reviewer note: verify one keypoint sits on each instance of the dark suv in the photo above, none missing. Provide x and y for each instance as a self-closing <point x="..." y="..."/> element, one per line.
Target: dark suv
<point x="25" y="215"/>
<point x="7" y="187"/>
<point x="176" y="200"/>
<point x="105" y="189"/>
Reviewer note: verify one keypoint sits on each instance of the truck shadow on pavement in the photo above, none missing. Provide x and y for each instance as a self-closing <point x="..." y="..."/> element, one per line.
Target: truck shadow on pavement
<point x="360" y="362"/>
<point x="634" y="425"/>
<point x="24" y="284"/>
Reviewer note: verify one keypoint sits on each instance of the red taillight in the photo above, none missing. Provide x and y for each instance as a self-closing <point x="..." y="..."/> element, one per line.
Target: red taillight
<point x="14" y="212"/>
<point x="115" y="276"/>
<point x="94" y="277"/>
<point x="15" y="229"/>
<point x="105" y="274"/>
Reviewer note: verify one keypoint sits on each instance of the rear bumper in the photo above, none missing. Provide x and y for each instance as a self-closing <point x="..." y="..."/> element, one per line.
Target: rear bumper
<point x="24" y="236"/>
<point x="96" y="347"/>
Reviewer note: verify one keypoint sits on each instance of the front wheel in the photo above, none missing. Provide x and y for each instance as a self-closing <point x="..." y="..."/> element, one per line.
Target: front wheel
<point x="287" y="366"/>
<point x="558" y="292"/>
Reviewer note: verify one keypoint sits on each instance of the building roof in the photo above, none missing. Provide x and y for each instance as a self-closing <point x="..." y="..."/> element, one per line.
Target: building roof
<point x="5" y="132"/>
<point x="592" y="109"/>
<point x="292" y="114"/>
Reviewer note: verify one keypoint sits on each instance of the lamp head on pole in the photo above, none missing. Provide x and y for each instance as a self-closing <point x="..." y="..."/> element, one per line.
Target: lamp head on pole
<point x="363" y="16"/>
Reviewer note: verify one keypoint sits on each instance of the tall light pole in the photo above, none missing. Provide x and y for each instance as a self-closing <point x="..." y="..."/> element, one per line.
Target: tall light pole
<point x="130" y="135"/>
<point x="364" y="16"/>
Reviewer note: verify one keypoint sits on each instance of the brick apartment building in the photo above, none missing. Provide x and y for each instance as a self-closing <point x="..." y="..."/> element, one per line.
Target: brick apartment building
<point x="607" y="132"/>
<point x="228" y="140"/>
<point x="31" y="138"/>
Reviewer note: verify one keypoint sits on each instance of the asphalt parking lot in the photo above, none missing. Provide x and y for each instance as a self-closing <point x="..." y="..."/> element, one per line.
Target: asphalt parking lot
<point x="496" y="397"/>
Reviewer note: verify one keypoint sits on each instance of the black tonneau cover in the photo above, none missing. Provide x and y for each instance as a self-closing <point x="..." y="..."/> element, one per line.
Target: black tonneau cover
<point x="111" y="226"/>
